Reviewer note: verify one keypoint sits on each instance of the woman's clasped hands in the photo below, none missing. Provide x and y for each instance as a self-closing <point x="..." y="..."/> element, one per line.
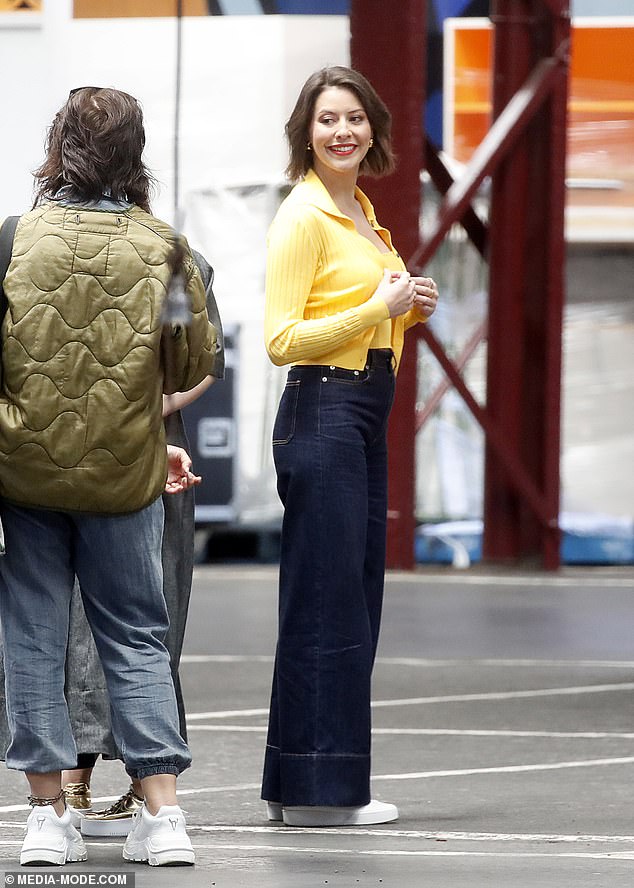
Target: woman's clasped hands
<point x="402" y="292"/>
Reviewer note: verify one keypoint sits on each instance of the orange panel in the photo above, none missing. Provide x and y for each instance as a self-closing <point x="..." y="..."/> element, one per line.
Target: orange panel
<point x="601" y="53"/>
<point x="473" y="64"/>
<point x="601" y="101"/>
<point x="135" y="8"/>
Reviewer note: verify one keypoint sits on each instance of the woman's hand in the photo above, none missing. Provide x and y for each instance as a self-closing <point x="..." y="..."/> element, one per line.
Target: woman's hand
<point x="426" y="296"/>
<point x="397" y="290"/>
<point x="179" y="474"/>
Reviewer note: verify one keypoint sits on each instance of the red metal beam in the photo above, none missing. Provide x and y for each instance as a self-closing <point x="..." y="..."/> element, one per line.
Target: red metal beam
<point x="526" y="287"/>
<point x="521" y="419"/>
<point x="388" y="45"/>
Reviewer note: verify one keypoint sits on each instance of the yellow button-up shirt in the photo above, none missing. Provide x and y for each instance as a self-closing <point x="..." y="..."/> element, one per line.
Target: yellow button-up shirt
<point x="321" y="278"/>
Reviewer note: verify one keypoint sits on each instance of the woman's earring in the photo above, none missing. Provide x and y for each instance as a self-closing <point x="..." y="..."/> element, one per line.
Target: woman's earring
<point x="370" y="143"/>
<point x="309" y="147"/>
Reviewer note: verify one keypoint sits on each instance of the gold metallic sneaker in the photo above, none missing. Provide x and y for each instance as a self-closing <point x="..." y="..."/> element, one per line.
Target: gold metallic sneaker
<point x="113" y="821"/>
<point x="78" y="801"/>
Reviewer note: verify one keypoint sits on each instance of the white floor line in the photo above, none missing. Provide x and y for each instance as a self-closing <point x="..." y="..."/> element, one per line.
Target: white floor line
<point x="443" y="732"/>
<point x="446" y="698"/>
<point x="476" y="732"/>
<point x="427" y="663"/>
<point x="592" y="580"/>
<point x="224" y="713"/>
<point x="355" y="852"/>
<point x="508" y="769"/>
<point x="509" y="695"/>
<point x="444" y="836"/>
<point x="542" y="580"/>
<point x="226" y="658"/>
<point x="237" y="729"/>
<point x="499" y="662"/>
<point x="391" y="833"/>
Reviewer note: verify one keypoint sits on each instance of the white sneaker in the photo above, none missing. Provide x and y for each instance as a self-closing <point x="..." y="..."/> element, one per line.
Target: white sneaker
<point x="314" y="815"/>
<point x="51" y="839"/>
<point x="159" y="839"/>
<point x="274" y="811"/>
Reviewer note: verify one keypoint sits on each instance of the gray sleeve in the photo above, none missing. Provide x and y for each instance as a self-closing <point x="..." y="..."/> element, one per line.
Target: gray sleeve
<point x="207" y="275"/>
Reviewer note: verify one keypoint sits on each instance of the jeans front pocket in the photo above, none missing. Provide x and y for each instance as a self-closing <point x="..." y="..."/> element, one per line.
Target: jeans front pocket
<point x="284" y="427"/>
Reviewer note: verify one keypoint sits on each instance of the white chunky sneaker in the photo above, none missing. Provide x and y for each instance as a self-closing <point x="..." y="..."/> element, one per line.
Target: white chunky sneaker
<point x="313" y="815"/>
<point x="50" y="839"/>
<point x="160" y="839"/>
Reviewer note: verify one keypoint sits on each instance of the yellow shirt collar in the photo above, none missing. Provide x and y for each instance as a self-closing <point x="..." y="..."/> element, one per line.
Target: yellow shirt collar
<point x="315" y="192"/>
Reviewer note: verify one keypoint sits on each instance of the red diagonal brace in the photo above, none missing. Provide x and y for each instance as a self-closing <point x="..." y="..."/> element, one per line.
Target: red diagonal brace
<point x="443" y="180"/>
<point x="443" y="387"/>
<point x="516" y="472"/>
<point x="502" y="135"/>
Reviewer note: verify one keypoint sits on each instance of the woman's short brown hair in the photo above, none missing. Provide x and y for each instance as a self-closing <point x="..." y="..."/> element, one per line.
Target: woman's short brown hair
<point x="378" y="161"/>
<point x="94" y="147"/>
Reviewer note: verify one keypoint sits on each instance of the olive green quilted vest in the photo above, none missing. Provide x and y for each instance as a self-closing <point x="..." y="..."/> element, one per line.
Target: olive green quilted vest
<point x="83" y="358"/>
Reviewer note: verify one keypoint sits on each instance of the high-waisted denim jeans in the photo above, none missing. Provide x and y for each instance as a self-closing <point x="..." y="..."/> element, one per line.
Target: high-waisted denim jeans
<point x="117" y="560"/>
<point x="329" y="444"/>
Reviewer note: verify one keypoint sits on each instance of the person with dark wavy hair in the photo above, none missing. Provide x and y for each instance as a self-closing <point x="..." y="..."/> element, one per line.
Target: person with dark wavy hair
<point x="338" y="302"/>
<point x="94" y="148"/>
<point x="90" y="344"/>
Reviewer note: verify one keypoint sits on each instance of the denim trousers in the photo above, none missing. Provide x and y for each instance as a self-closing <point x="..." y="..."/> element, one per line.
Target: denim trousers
<point x="117" y="560"/>
<point x="329" y="444"/>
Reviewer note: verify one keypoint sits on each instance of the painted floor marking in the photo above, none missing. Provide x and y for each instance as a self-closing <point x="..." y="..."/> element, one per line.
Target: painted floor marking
<point x="428" y="663"/>
<point x="591" y="580"/>
<point x="356" y="852"/>
<point x="444" y="732"/>
<point x="447" y="698"/>
<point x="388" y="833"/>
<point x="508" y="769"/>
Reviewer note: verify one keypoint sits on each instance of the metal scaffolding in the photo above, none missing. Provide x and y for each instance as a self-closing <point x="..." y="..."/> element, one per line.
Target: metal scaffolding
<point x="524" y="155"/>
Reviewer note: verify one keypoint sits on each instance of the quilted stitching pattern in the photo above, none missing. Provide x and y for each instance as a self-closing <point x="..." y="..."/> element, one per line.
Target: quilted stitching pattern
<point x="80" y="423"/>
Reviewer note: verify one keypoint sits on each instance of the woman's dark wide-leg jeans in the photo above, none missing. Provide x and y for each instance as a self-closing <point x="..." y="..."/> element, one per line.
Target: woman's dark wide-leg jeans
<point x="329" y="444"/>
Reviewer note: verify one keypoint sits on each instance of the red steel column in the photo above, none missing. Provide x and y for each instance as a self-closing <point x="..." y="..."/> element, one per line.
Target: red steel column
<point x="527" y="254"/>
<point x="388" y="46"/>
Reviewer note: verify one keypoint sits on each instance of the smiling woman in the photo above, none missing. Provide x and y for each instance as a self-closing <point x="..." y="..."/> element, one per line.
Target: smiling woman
<point x="338" y="302"/>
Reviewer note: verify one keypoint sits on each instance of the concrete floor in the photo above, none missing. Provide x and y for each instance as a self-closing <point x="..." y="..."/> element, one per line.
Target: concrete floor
<point x="504" y="731"/>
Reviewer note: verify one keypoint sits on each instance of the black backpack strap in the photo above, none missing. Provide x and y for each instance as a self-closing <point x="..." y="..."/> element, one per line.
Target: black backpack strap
<point x="7" y="233"/>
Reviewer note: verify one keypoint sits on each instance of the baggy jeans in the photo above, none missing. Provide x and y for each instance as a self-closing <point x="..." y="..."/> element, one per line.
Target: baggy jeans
<point x="329" y="443"/>
<point x="117" y="560"/>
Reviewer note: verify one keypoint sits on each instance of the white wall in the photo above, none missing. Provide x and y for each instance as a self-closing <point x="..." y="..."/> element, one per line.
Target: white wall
<point x="240" y="79"/>
<point x="240" y="76"/>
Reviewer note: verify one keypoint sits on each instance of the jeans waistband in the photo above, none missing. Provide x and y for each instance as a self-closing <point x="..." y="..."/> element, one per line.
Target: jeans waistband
<point x="377" y="359"/>
<point x="381" y="357"/>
